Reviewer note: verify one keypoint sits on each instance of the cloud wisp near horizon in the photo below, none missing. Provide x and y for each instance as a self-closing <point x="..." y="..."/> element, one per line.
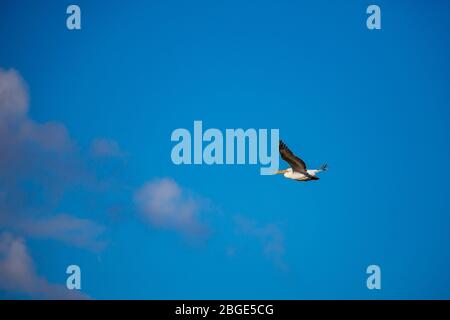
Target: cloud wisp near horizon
<point x="18" y="274"/>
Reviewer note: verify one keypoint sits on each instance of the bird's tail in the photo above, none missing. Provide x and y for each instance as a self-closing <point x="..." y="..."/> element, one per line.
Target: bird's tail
<point x="324" y="167"/>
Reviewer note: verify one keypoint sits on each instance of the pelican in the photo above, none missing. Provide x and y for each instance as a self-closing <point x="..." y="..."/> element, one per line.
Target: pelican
<point x="297" y="171"/>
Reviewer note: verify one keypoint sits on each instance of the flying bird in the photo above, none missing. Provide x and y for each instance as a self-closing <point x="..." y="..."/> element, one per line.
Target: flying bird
<point x="298" y="170"/>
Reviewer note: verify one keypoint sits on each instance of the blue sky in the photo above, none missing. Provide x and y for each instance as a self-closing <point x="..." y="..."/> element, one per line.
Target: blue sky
<point x="373" y="104"/>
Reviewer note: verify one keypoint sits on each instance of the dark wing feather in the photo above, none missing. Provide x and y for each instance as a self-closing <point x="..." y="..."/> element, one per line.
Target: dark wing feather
<point x="295" y="162"/>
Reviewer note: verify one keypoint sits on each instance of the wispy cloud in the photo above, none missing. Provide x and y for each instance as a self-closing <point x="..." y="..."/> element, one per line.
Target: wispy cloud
<point x="164" y="204"/>
<point x="18" y="274"/>
<point x="13" y="95"/>
<point x="39" y="162"/>
<point x="41" y="152"/>
<point x="103" y="147"/>
<point x="269" y="235"/>
<point x="21" y="135"/>
<point x="82" y="233"/>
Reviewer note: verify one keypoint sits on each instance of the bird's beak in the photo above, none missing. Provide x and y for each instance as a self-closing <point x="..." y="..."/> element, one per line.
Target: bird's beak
<point x="281" y="172"/>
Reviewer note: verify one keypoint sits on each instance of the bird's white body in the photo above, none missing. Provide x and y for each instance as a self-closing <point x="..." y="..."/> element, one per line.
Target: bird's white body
<point x="294" y="175"/>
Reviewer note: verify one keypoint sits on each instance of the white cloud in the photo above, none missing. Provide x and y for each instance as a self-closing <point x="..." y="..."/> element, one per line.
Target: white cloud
<point x="18" y="274"/>
<point x="17" y="129"/>
<point x="29" y="148"/>
<point x="13" y="95"/>
<point x="82" y="233"/>
<point x="163" y="203"/>
<point x="103" y="147"/>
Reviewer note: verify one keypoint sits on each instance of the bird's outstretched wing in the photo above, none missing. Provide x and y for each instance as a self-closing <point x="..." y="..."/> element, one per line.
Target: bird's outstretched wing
<point x="295" y="162"/>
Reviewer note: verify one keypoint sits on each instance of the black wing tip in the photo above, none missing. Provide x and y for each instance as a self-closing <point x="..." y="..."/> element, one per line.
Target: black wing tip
<point x="283" y="147"/>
